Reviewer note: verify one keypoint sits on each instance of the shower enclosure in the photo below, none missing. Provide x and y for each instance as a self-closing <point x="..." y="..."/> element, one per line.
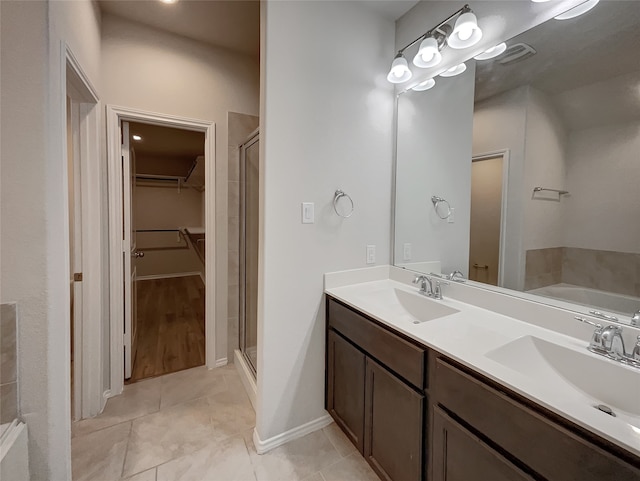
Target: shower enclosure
<point x="249" y="175"/>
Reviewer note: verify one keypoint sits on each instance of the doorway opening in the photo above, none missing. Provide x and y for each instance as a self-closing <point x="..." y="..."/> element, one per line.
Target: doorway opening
<point x="165" y="273"/>
<point x="489" y="174"/>
<point x="156" y="236"/>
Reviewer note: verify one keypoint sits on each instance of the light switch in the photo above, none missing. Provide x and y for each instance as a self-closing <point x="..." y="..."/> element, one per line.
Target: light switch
<point x="371" y="254"/>
<point x="406" y="252"/>
<point x="307" y="212"/>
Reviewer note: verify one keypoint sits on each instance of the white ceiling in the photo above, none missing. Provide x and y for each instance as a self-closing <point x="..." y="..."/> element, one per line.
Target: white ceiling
<point x="231" y="24"/>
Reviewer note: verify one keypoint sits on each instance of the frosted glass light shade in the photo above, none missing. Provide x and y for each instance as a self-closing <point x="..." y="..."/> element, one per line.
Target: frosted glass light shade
<point x="577" y="11"/>
<point x="492" y="52"/>
<point x="466" y="32"/>
<point x="399" y="70"/>
<point x="428" y="54"/>
<point x="453" y="71"/>
<point x="426" y="85"/>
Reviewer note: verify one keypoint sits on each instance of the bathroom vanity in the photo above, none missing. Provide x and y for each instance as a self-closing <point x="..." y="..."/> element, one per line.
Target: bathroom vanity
<point x="442" y="390"/>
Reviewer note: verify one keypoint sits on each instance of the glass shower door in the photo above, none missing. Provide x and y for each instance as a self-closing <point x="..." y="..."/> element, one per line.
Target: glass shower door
<point x="249" y="176"/>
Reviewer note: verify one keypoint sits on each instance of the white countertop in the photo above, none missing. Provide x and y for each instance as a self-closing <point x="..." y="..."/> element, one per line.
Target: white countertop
<point x="470" y="334"/>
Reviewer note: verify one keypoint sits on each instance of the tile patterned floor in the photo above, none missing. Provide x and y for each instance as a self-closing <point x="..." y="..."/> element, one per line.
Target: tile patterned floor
<point x="197" y="425"/>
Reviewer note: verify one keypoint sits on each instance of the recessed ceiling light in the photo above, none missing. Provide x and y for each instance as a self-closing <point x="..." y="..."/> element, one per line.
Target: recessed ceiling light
<point x="137" y="137"/>
<point x="453" y="71"/>
<point x="577" y="11"/>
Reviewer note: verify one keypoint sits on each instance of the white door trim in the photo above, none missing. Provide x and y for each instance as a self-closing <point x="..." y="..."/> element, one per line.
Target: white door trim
<point x="115" y="115"/>
<point x="505" y="192"/>
<point x="89" y="336"/>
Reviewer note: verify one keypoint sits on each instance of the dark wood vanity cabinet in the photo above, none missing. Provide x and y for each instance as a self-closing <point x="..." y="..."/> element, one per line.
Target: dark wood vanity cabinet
<point x="369" y="394"/>
<point x="345" y="390"/>
<point x="416" y="415"/>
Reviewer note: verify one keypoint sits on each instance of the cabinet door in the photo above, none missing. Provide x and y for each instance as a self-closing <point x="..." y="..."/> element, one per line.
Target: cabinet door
<point x="394" y="414"/>
<point x="345" y="387"/>
<point x="458" y="455"/>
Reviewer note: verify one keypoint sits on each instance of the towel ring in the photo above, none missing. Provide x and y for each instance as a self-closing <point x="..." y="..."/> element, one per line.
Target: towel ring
<point x="436" y="202"/>
<point x="336" y="198"/>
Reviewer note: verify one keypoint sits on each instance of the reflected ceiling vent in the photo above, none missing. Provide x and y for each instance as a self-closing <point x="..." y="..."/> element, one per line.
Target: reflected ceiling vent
<point x="516" y="53"/>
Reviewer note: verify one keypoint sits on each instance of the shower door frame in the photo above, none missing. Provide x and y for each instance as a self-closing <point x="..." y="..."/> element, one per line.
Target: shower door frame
<point x="252" y="139"/>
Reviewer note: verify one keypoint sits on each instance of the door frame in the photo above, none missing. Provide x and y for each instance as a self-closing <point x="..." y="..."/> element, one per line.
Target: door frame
<point x="115" y="115"/>
<point x="503" y="211"/>
<point x="88" y="338"/>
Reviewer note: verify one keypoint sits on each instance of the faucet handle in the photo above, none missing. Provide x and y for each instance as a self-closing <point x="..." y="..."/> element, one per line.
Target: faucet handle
<point x="635" y="354"/>
<point x="587" y="321"/>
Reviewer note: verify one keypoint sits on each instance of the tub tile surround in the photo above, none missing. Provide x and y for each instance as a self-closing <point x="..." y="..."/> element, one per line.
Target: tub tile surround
<point x="8" y="363"/>
<point x="204" y="435"/>
<point x="610" y="271"/>
<point x="488" y="320"/>
<point x="240" y="126"/>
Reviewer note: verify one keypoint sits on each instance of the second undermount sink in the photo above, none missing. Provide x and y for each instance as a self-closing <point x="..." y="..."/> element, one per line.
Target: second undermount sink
<point x="420" y="308"/>
<point x="600" y="381"/>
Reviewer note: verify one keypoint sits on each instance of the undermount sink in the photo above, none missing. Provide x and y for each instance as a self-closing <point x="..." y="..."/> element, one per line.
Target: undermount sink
<point x="421" y="308"/>
<point x="601" y="381"/>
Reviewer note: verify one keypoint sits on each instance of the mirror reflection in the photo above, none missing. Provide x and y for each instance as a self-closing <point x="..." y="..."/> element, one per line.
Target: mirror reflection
<point x="535" y="157"/>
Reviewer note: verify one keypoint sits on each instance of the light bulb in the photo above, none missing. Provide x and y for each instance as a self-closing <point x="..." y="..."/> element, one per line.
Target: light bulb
<point x="577" y="11"/>
<point x="425" y="85"/>
<point x="492" y="52"/>
<point x="453" y="71"/>
<point x="466" y="32"/>
<point x="428" y="54"/>
<point x="399" y="70"/>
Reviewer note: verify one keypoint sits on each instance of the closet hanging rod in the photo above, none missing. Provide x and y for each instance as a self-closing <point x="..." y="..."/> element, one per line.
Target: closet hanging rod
<point x="159" y="177"/>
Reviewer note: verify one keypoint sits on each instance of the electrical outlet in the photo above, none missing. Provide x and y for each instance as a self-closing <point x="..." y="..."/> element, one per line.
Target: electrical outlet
<point x="406" y="252"/>
<point x="371" y="254"/>
<point x="452" y="216"/>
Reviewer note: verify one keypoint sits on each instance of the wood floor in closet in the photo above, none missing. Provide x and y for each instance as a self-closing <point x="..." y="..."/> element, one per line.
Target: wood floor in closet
<point x="170" y="326"/>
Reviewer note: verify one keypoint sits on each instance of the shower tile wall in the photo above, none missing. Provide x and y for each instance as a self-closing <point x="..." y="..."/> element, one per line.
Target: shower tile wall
<point x="240" y="126"/>
<point x="610" y="271"/>
<point x="8" y="364"/>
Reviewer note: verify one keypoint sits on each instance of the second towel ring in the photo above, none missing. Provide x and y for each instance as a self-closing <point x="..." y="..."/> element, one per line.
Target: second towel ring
<point x="436" y="202"/>
<point x="339" y="194"/>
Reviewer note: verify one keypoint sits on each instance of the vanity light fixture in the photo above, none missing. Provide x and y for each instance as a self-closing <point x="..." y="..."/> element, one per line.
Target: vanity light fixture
<point x="399" y="70"/>
<point x="465" y="33"/>
<point x="492" y="52"/>
<point x="578" y="10"/>
<point x="428" y="53"/>
<point x="426" y="85"/>
<point x="453" y="71"/>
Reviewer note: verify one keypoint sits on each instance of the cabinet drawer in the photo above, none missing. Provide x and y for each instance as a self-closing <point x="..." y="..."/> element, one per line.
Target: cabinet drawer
<point x="548" y="449"/>
<point x="399" y="355"/>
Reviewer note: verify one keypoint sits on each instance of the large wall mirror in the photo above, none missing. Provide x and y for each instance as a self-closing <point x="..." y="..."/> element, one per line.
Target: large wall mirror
<point x="523" y="172"/>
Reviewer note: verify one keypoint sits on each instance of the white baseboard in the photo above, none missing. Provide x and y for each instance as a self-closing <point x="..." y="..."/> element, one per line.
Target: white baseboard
<point x="295" y="433"/>
<point x="246" y="376"/>
<point x="169" y="276"/>
<point x="222" y="362"/>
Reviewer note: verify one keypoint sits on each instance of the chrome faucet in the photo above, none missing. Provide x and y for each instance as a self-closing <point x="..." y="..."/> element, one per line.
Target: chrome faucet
<point x="456" y="276"/>
<point x="426" y="286"/>
<point x="608" y="342"/>
<point x="612" y="341"/>
<point x="428" y="289"/>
